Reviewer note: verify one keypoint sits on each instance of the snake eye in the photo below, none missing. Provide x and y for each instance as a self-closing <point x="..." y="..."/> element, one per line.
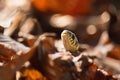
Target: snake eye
<point x="73" y="37"/>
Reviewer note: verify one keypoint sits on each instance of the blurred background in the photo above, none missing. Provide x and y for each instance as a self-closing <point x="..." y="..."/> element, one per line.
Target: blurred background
<point x="88" y="18"/>
<point x="95" y="23"/>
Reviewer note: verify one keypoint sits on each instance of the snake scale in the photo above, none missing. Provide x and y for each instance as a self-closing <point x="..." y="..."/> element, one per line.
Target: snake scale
<point x="70" y="41"/>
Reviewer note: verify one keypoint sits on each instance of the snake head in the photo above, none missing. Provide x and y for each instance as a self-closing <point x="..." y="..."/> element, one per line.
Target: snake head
<point x="70" y="41"/>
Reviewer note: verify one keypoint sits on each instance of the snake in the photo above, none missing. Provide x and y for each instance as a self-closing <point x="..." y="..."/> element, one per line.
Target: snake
<point x="70" y="41"/>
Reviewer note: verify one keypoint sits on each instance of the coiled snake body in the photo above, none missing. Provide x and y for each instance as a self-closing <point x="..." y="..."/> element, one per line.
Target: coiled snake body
<point x="70" y="41"/>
